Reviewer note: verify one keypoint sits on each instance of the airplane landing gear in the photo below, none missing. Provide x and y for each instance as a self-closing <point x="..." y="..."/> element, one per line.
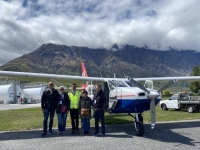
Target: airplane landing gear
<point x="139" y="127"/>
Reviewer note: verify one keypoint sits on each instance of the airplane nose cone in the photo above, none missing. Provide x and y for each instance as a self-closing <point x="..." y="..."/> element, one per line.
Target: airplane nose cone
<point x="153" y="95"/>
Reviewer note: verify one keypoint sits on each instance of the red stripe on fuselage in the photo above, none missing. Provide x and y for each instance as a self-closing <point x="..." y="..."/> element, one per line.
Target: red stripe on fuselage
<point x="120" y="96"/>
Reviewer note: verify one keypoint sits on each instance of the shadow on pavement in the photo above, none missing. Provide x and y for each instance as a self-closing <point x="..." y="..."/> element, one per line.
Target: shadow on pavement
<point x="163" y="132"/>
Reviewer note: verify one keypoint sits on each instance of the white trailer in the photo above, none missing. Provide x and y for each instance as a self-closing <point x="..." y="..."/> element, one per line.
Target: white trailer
<point x="10" y="93"/>
<point x="33" y="94"/>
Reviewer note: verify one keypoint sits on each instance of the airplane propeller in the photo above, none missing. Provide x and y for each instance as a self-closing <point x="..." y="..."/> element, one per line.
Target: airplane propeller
<point x="152" y="95"/>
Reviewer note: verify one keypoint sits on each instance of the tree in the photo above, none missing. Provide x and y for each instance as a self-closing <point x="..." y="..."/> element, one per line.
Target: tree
<point x="195" y="86"/>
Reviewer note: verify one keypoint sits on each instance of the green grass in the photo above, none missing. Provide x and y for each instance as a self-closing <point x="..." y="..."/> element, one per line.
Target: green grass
<point x="32" y="118"/>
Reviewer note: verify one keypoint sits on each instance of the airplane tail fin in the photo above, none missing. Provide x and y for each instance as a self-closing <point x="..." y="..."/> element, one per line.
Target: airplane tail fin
<point x="84" y="72"/>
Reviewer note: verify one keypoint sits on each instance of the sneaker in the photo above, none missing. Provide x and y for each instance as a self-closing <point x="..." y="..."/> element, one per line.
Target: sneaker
<point x="77" y="131"/>
<point x="72" y="132"/>
<point x="43" y="135"/>
<point x="60" y="133"/>
<point x="95" y="134"/>
<point x="50" y="132"/>
<point x="103" y="135"/>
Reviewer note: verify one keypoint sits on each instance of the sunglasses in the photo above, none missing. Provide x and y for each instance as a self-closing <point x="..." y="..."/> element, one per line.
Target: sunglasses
<point x="61" y="89"/>
<point x="51" y="84"/>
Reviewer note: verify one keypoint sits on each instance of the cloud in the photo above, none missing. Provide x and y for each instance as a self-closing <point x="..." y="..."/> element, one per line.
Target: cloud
<point x="158" y="24"/>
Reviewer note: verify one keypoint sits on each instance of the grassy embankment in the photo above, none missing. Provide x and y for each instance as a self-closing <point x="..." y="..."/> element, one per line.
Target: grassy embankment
<point x="26" y="119"/>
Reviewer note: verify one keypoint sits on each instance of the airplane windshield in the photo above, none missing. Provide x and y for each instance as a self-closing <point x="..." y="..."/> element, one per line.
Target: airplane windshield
<point x="129" y="83"/>
<point x="118" y="83"/>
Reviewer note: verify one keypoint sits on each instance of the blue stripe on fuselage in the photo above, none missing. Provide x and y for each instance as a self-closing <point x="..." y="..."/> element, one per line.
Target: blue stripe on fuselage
<point x="133" y="106"/>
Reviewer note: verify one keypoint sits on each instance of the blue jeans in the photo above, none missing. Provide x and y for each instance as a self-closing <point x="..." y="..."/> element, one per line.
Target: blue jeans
<point x="48" y="112"/>
<point x="62" y="121"/>
<point x="99" y="114"/>
<point x="86" y="125"/>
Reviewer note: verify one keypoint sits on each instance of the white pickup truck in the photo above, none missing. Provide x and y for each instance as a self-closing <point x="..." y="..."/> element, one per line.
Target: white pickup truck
<point x="181" y="101"/>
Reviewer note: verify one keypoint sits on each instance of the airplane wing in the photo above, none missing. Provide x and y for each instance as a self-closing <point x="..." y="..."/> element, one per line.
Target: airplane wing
<point x="68" y="79"/>
<point x="160" y="79"/>
<point x="36" y="77"/>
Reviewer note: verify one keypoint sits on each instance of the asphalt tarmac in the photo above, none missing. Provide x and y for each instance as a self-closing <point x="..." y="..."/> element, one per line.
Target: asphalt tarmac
<point x="18" y="106"/>
<point x="169" y="135"/>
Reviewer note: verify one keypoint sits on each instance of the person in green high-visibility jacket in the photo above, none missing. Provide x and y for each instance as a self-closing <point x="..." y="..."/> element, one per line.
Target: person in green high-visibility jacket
<point x="74" y="97"/>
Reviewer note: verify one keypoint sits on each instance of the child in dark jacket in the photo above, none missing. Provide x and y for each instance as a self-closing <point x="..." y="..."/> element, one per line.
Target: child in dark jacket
<point x="85" y="104"/>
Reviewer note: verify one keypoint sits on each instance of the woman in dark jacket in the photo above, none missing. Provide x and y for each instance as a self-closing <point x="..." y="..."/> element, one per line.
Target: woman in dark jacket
<point x="85" y="104"/>
<point x="62" y="110"/>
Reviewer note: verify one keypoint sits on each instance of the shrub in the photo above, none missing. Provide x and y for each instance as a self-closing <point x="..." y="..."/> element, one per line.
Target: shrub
<point x="166" y="92"/>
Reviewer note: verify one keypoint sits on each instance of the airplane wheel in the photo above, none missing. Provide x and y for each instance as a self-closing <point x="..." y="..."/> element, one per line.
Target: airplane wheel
<point x="140" y="117"/>
<point x="190" y="109"/>
<point x="164" y="107"/>
<point x="139" y="129"/>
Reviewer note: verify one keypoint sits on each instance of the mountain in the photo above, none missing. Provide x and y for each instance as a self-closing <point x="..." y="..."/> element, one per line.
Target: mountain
<point x="129" y="60"/>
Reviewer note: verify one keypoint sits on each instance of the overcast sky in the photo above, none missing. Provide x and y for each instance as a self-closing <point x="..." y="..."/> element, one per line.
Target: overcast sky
<point x="158" y="24"/>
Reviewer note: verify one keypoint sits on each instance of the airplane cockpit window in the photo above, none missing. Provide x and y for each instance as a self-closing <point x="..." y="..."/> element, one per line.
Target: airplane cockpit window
<point x="129" y="83"/>
<point x="118" y="83"/>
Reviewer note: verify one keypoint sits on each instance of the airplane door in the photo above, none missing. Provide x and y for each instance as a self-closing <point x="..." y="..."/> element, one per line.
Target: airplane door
<point x="106" y="90"/>
<point x="148" y="84"/>
<point x="112" y="92"/>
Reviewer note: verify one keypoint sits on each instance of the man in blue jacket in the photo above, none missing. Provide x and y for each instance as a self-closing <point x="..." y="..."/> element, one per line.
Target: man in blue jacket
<point x="49" y="103"/>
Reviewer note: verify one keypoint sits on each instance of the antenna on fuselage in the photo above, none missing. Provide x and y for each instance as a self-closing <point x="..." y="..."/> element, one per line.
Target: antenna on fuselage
<point x="125" y="75"/>
<point x="114" y="75"/>
<point x="100" y="72"/>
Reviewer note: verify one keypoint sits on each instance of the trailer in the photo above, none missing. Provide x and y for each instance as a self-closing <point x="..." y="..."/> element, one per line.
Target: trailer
<point x="10" y="93"/>
<point x="34" y="94"/>
<point x="181" y="101"/>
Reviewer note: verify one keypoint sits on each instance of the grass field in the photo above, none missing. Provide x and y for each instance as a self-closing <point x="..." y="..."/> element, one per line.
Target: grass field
<point x="32" y="118"/>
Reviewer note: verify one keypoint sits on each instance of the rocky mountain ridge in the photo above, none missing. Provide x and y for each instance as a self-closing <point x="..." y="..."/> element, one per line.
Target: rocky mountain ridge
<point x="129" y="60"/>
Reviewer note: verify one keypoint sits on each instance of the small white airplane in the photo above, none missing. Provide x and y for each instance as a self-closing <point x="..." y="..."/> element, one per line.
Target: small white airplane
<point x="125" y="95"/>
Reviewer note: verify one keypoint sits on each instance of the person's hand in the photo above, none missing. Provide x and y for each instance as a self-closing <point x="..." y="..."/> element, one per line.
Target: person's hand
<point x="43" y="110"/>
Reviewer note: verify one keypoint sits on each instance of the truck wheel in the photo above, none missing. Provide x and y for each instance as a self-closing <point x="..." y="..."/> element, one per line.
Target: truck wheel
<point x="190" y="109"/>
<point x="164" y="107"/>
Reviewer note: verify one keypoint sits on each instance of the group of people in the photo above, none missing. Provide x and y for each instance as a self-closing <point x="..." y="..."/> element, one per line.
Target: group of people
<point x="78" y="104"/>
